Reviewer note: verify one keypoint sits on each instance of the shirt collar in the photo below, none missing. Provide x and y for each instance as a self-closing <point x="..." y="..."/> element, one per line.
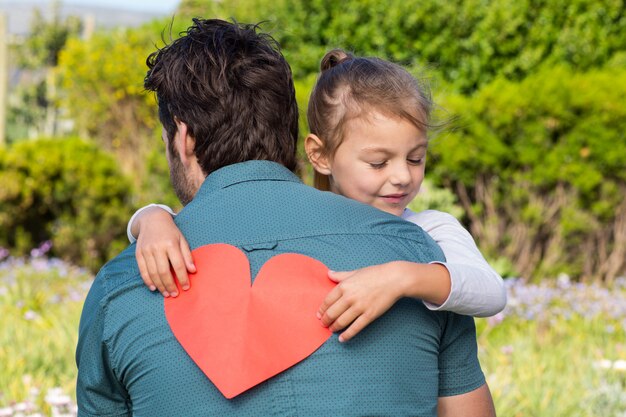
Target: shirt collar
<point x="244" y="172"/>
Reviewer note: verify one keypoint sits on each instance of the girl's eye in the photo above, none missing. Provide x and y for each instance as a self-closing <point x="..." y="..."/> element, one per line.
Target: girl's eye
<point x="378" y="165"/>
<point x="415" y="161"/>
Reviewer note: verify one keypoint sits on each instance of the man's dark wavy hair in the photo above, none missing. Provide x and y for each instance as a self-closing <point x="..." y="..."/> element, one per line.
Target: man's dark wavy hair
<point x="233" y="88"/>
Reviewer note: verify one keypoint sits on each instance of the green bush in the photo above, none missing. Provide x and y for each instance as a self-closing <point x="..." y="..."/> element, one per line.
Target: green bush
<point x="102" y="91"/>
<point x="431" y="197"/>
<point x="67" y="191"/>
<point x="537" y="85"/>
<point x="468" y="42"/>
<point x="539" y="168"/>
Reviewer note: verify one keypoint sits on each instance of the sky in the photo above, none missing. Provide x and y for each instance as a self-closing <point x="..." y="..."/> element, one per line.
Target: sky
<point x="162" y="6"/>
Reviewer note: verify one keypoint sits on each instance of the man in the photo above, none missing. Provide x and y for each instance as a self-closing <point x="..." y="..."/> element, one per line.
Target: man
<point x="227" y="105"/>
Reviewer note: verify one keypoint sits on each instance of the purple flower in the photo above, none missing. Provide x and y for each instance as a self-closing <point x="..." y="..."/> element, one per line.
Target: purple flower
<point x="507" y="349"/>
<point x="562" y="299"/>
<point x="495" y="320"/>
<point x="45" y="246"/>
<point x="30" y="315"/>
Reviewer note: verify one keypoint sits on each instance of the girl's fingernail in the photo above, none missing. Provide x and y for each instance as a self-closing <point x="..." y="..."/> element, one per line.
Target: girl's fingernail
<point x="174" y="294"/>
<point x="152" y="288"/>
<point x="318" y="315"/>
<point x="341" y="339"/>
<point x="166" y="294"/>
<point x="186" y="287"/>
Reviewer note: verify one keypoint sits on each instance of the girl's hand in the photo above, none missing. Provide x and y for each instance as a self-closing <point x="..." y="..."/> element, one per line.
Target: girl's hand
<point x="160" y="245"/>
<point x="360" y="297"/>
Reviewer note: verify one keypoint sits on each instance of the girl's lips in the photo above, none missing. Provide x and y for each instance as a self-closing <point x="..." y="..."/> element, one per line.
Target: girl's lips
<point x="394" y="198"/>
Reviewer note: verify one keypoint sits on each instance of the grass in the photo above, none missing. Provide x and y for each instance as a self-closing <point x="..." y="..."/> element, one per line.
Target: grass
<point x="557" y="350"/>
<point x="40" y="305"/>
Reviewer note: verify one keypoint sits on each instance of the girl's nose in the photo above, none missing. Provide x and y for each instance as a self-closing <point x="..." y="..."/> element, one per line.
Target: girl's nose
<point x="401" y="175"/>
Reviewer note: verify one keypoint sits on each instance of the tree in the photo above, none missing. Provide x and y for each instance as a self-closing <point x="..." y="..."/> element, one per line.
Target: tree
<point x="102" y="80"/>
<point x="468" y="43"/>
<point x="33" y="108"/>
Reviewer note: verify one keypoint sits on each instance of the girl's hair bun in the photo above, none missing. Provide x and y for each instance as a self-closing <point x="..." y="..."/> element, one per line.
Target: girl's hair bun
<point x="334" y="58"/>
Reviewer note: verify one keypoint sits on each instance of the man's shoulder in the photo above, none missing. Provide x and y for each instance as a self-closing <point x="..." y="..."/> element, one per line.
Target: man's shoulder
<point x="359" y="228"/>
<point x="357" y="217"/>
<point x="113" y="278"/>
<point x="119" y="270"/>
<point x="276" y="208"/>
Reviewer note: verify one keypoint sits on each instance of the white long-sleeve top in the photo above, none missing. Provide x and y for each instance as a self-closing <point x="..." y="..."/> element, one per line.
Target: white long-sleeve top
<point x="477" y="290"/>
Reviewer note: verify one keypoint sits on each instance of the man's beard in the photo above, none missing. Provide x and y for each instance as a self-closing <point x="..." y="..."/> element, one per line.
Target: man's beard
<point x="183" y="187"/>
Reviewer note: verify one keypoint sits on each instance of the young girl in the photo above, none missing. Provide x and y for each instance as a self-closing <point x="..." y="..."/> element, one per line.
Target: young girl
<point x="368" y="121"/>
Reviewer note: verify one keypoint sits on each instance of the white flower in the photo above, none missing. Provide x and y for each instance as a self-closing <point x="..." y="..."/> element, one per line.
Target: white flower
<point x="30" y="315"/>
<point x="603" y="364"/>
<point x="619" y="365"/>
<point x="57" y="398"/>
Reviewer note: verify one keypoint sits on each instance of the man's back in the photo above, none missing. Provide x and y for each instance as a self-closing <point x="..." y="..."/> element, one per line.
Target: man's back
<point x="398" y="365"/>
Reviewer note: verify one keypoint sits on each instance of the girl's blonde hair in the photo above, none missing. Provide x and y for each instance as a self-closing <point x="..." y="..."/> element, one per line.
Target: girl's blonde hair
<point x="350" y="87"/>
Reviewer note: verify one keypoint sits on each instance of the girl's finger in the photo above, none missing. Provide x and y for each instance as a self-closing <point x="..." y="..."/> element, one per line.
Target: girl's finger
<point x="154" y="275"/>
<point x="143" y="270"/>
<point x="331" y="298"/>
<point x="344" y="319"/>
<point x="179" y="267"/>
<point x="165" y="273"/>
<point x="186" y="251"/>
<point x="357" y="325"/>
<point x="339" y="276"/>
<point x="334" y="312"/>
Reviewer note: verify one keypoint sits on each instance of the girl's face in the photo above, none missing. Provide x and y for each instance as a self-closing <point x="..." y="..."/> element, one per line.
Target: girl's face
<point x="380" y="162"/>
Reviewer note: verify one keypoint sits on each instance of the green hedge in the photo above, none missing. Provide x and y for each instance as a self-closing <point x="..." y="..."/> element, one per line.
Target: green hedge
<point x="537" y="87"/>
<point x="67" y="191"/>
<point x="467" y="43"/>
<point x="539" y="167"/>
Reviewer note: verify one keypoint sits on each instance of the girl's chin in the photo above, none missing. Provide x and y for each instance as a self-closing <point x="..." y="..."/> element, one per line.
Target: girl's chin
<point x="396" y="211"/>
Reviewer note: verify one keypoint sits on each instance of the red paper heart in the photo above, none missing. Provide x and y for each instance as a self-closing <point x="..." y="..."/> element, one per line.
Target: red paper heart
<point x="241" y="334"/>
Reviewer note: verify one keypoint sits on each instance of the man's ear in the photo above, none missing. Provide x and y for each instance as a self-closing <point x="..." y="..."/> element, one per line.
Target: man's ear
<point x="185" y="143"/>
<point x="314" y="148"/>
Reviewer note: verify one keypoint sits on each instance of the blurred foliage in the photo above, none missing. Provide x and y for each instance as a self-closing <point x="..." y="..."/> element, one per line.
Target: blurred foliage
<point x="431" y="197"/>
<point x="536" y="86"/>
<point x="467" y="42"/>
<point x="40" y="304"/>
<point x="47" y="38"/>
<point x="67" y="191"/>
<point x="102" y="79"/>
<point x="539" y="168"/>
<point x="32" y="108"/>
<point x="26" y="112"/>
<point x="556" y="350"/>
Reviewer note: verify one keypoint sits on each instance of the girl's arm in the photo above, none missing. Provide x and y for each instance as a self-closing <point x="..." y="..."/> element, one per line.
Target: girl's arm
<point x="161" y="248"/>
<point x="476" y="288"/>
<point x="464" y="284"/>
<point x="363" y="295"/>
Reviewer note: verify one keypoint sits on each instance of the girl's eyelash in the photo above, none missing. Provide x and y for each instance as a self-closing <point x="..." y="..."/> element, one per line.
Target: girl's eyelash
<point x="415" y="161"/>
<point x="378" y="166"/>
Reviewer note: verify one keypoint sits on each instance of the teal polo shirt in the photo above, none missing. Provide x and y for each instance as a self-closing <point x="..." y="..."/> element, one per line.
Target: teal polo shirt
<point x="130" y="363"/>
